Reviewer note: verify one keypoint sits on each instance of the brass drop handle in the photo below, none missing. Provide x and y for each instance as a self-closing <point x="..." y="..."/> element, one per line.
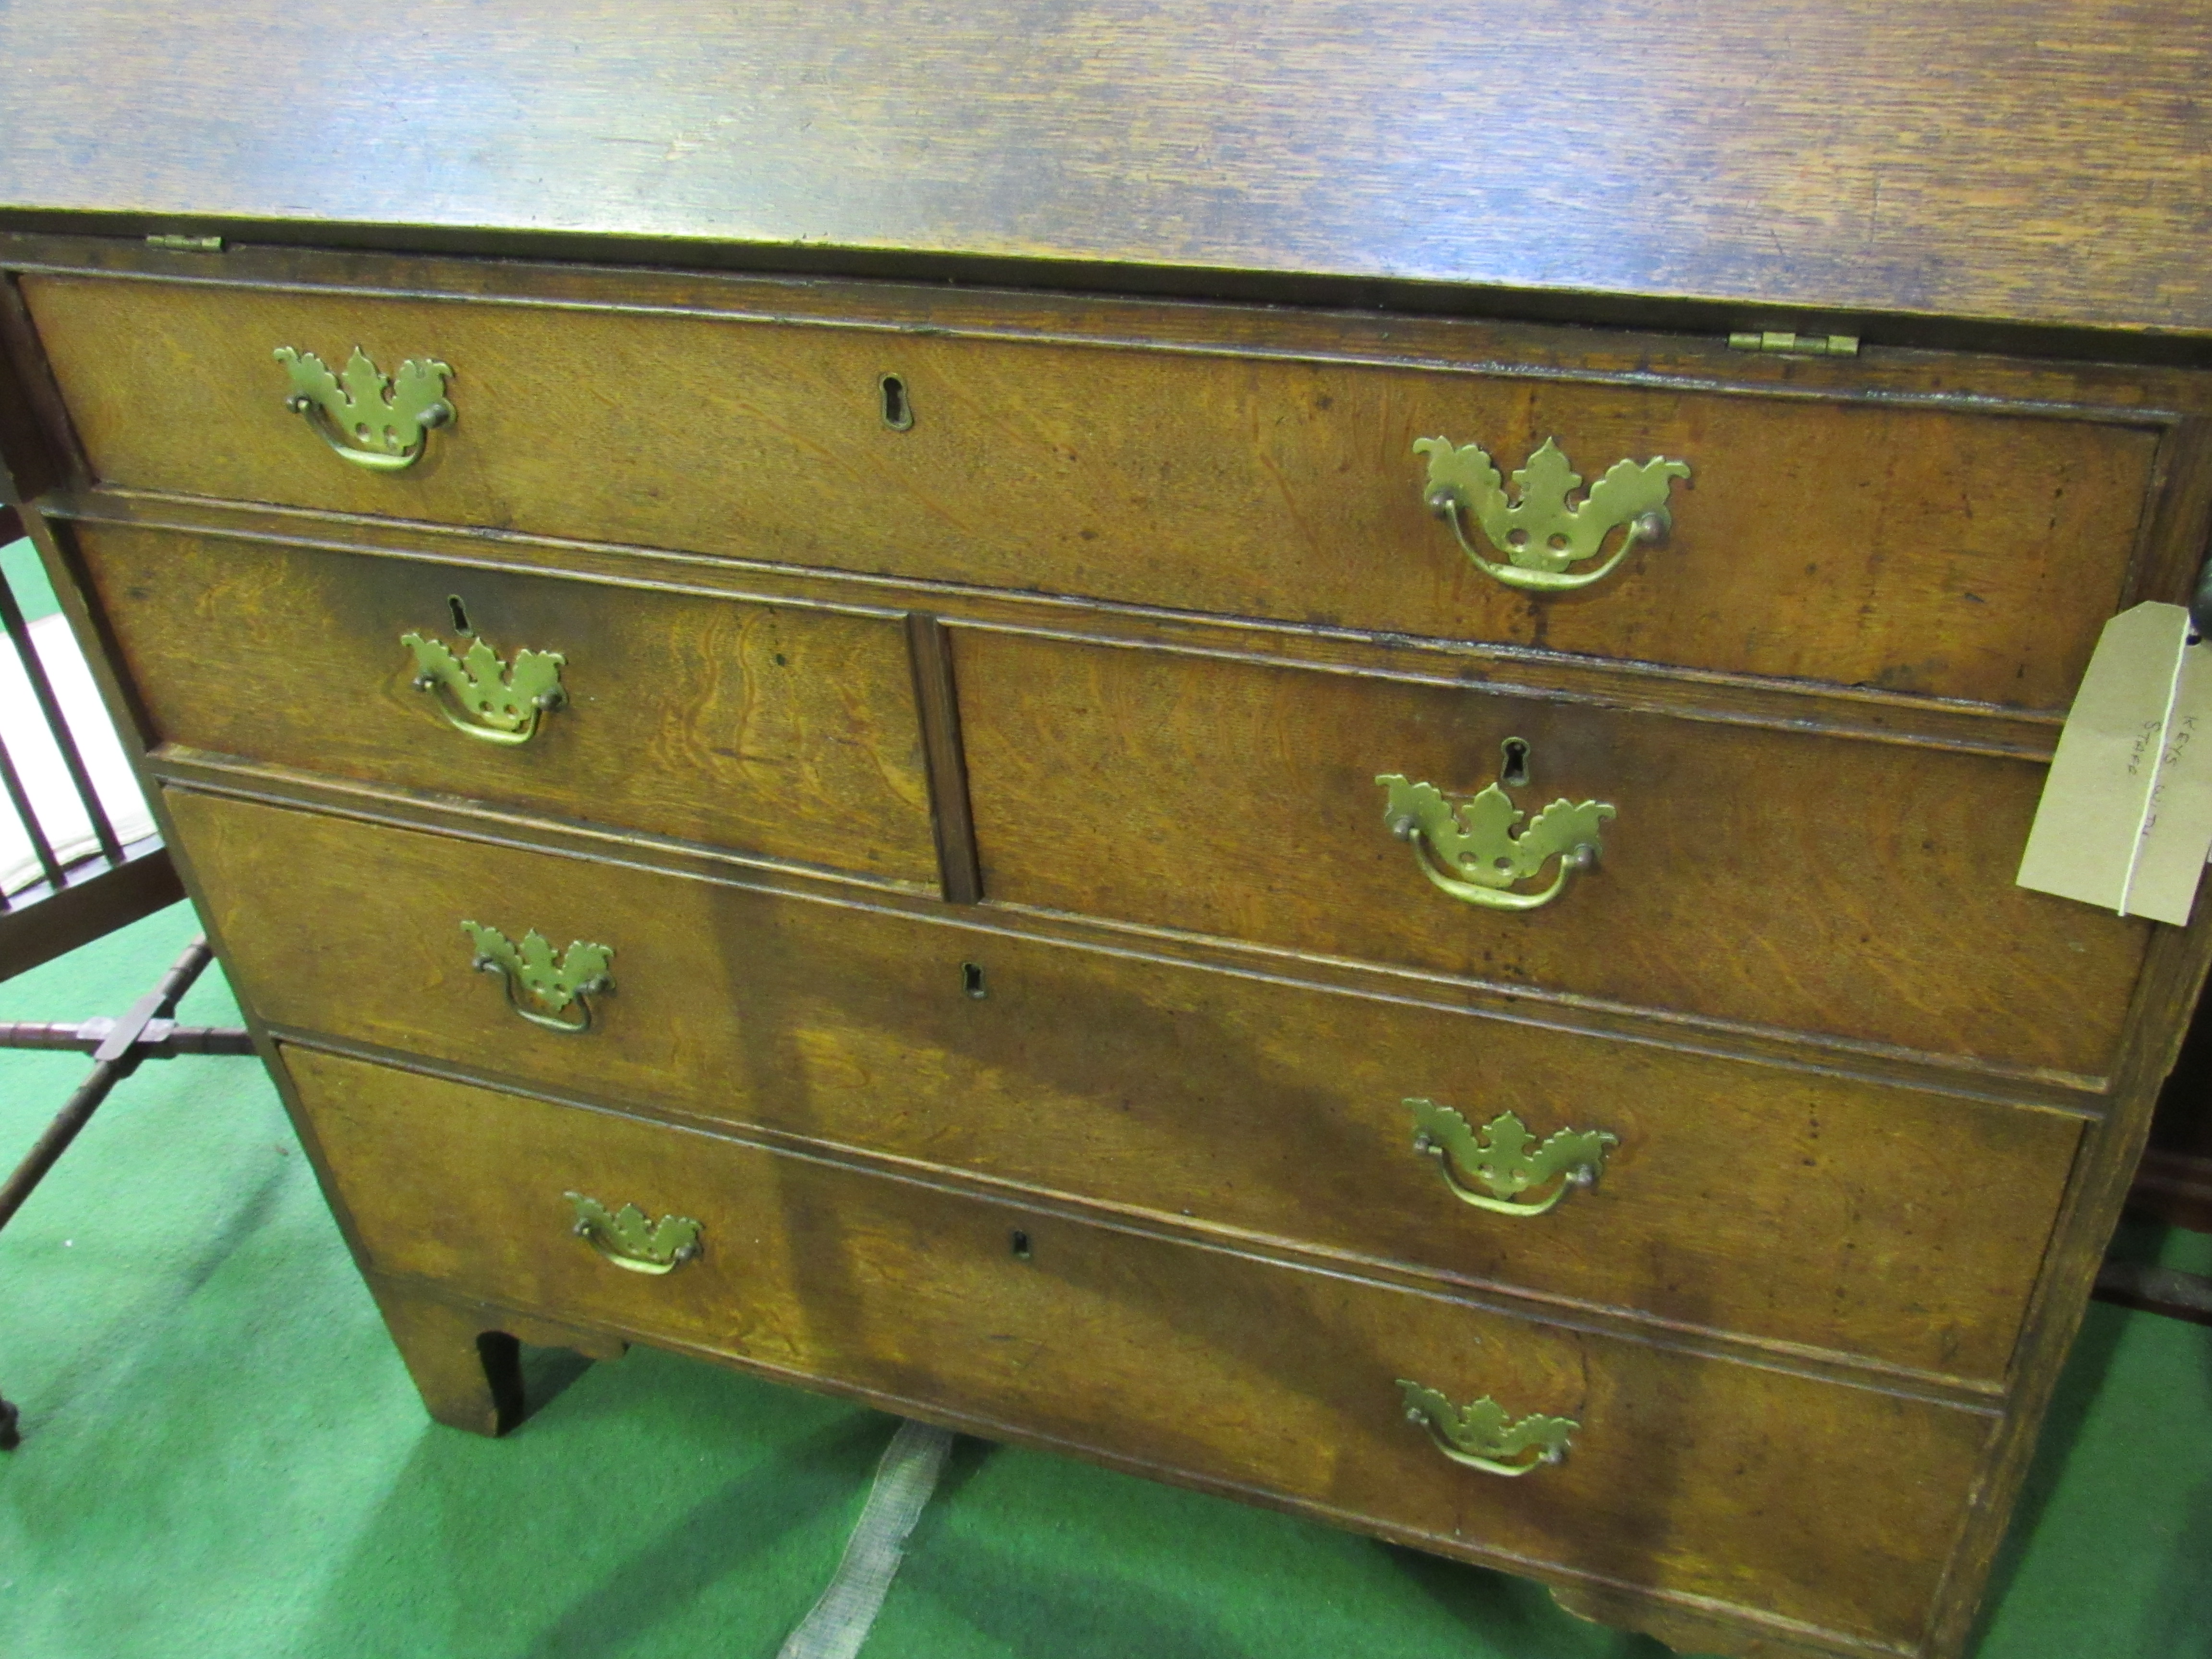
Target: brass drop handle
<point x="541" y="986"/>
<point x="1472" y="851"/>
<point x="1523" y="1178"/>
<point x="1480" y="1435"/>
<point x="380" y="424"/>
<point x="1540" y="536"/>
<point x="628" y="1239"/>
<point x="480" y="695"/>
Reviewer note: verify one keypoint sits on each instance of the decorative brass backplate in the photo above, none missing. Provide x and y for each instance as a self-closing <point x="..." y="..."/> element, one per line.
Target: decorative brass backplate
<point x="1539" y="534"/>
<point x="539" y="986"/>
<point x="1525" y="1178"/>
<point x="628" y="1239"/>
<point x="1472" y="851"/>
<point x="497" y="703"/>
<point x="372" y="422"/>
<point x="1480" y="1435"/>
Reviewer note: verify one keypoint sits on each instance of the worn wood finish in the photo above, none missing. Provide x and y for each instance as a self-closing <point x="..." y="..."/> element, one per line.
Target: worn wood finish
<point x="1273" y="1378"/>
<point x="1235" y="798"/>
<point x="1863" y="1086"/>
<point x="2043" y="162"/>
<point x="1782" y="1204"/>
<point x="1957" y="371"/>
<point x="2061" y="1093"/>
<point x="786" y="732"/>
<point x="936" y="704"/>
<point x="1885" y="716"/>
<point x="1953" y="552"/>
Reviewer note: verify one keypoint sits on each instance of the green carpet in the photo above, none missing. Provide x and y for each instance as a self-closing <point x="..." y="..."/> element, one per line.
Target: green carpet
<point x="27" y="578"/>
<point x="223" y="1459"/>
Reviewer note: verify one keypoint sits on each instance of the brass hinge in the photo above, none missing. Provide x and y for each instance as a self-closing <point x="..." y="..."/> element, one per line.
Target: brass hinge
<point x="187" y="244"/>
<point x="1797" y="345"/>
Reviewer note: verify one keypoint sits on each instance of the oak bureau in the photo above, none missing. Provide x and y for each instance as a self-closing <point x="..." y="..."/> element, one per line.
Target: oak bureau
<point x="1283" y="745"/>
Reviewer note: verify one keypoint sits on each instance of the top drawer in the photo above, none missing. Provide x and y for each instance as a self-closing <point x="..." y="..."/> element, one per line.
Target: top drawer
<point x="1942" y="551"/>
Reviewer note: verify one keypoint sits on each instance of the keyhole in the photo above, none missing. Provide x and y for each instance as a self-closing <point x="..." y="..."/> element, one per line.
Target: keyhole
<point x="461" y="614"/>
<point x="898" y="410"/>
<point x="1020" y="1244"/>
<point x="1513" y="770"/>
<point x="971" y="980"/>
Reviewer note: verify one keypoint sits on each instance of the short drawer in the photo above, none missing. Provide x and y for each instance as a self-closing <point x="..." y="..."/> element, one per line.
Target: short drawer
<point x="1780" y="878"/>
<point x="1806" y="1501"/>
<point x="1791" y="1206"/>
<point x="777" y="730"/>
<point x="1950" y="550"/>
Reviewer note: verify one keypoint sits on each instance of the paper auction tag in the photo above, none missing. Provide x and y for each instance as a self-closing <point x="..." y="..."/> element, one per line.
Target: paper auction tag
<point x="2125" y="821"/>
<point x="2177" y="830"/>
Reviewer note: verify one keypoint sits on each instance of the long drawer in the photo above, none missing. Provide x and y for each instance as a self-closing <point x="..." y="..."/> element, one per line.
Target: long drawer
<point x="778" y="730"/>
<point x="1688" y="1474"/>
<point x="1783" y="879"/>
<point x="1790" y="1206"/>
<point x="1955" y="551"/>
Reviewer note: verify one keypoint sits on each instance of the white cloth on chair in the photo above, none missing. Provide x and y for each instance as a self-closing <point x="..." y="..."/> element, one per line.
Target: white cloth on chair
<point x="38" y="759"/>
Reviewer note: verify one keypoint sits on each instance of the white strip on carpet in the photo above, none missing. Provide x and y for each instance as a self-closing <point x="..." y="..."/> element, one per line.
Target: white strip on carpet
<point x="840" y="1620"/>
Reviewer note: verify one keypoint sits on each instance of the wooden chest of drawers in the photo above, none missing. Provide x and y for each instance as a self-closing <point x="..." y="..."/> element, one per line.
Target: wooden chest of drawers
<point x="871" y="830"/>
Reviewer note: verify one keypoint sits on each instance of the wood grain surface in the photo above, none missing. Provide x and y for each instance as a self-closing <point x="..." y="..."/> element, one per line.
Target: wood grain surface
<point x="1863" y="891"/>
<point x="1779" y="1204"/>
<point x="1946" y="550"/>
<point x="2044" y="162"/>
<point x="1912" y="541"/>
<point x="1786" y="705"/>
<point x="1688" y="1474"/>
<point x="785" y="731"/>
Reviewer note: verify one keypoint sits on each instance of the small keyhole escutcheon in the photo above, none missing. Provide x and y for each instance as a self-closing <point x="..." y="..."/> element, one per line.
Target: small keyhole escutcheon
<point x="898" y="408"/>
<point x="1513" y="768"/>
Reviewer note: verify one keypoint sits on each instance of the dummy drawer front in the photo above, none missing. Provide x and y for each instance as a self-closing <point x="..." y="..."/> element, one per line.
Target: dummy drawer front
<point x="1962" y="553"/>
<point x="1808" y="1209"/>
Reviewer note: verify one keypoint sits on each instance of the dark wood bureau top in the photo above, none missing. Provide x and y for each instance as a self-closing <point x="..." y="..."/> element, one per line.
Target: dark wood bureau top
<point x="2046" y="162"/>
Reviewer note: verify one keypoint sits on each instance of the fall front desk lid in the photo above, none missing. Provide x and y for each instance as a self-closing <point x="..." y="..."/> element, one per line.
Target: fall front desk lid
<point x="2047" y="162"/>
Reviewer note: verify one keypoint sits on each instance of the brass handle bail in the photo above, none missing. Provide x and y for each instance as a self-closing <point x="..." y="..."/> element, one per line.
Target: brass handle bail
<point x="500" y="702"/>
<point x="1480" y="1435"/>
<point x="1540" y="536"/>
<point x="631" y="1241"/>
<point x="541" y="986"/>
<point x="1472" y="852"/>
<point x="1523" y="1178"/>
<point x="366" y="419"/>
